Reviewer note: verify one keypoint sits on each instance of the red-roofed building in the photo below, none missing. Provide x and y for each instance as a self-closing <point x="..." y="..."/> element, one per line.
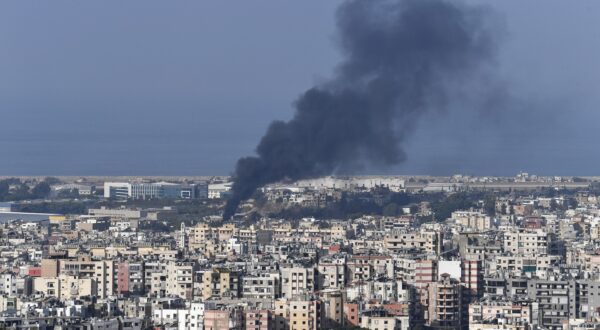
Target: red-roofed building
<point x="34" y="271"/>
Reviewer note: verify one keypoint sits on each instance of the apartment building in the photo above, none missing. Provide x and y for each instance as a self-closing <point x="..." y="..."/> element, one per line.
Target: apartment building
<point x="305" y="314"/>
<point x="426" y="241"/>
<point x="221" y="282"/>
<point x="331" y="275"/>
<point x="445" y="304"/>
<point x="525" y="242"/>
<point x="101" y="271"/>
<point x="130" y="278"/>
<point x="380" y="319"/>
<point x="223" y="319"/>
<point x="552" y="298"/>
<point x="538" y="265"/>
<point x="332" y="307"/>
<point x="473" y="220"/>
<point x="472" y="272"/>
<point x="262" y="286"/>
<point x="297" y="281"/>
<point x="180" y="279"/>
<point x="500" y="312"/>
<point x="66" y="286"/>
<point x="258" y="320"/>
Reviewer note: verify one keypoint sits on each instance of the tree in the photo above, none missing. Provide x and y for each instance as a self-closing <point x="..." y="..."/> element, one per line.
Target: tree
<point x="68" y="193"/>
<point x="52" y="180"/>
<point x="12" y="181"/>
<point x="572" y="203"/>
<point x="324" y="225"/>
<point x="489" y="204"/>
<point x="400" y="198"/>
<point x="443" y="208"/>
<point x="390" y="210"/>
<point x="21" y="192"/>
<point x="4" y="189"/>
<point x="503" y="208"/>
<point x="41" y="190"/>
<point x="414" y="209"/>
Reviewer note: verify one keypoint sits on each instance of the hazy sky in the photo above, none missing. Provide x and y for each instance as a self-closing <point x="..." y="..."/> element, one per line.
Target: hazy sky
<point x="144" y="87"/>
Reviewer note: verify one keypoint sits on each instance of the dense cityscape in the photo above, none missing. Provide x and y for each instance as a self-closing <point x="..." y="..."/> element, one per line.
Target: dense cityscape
<point x="368" y="252"/>
<point x="299" y="165"/>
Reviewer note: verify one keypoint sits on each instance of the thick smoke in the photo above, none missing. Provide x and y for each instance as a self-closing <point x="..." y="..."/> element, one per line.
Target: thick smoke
<point x="401" y="58"/>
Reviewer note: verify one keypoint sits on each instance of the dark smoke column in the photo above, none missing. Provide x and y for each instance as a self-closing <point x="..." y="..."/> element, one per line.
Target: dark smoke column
<point x="400" y="57"/>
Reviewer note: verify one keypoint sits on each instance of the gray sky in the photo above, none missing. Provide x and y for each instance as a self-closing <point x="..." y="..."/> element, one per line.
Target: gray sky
<point x="146" y="87"/>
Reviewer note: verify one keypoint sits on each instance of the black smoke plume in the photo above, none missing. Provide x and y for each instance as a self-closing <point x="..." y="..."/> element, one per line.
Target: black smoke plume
<point x="400" y="59"/>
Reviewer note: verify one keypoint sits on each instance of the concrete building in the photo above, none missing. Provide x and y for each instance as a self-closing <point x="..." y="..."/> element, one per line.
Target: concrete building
<point x="152" y="190"/>
<point x="552" y="298"/>
<point x="117" y="213"/>
<point x="221" y="282"/>
<point x="258" y="320"/>
<point x="332" y="306"/>
<point x="380" y="319"/>
<point x="117" y="190"/>
<point x="474" y="220"/>
<point x="101" y="271"/>
<point x="66" y="286"/>
<point x="535" y="265"/>
<point x="525" y="242"/>
<point x="445" y="304"/>
<point x="223" y="319"/>
<point x="427" y="241"/>
<point x="179" y="279"/>
<point x="262" y="286"/>
<point x="219" y="190"/>
<point x="331" y="275"/>
<point x="305" y="314"/>
<point x="500" y="312"/>
<point x="297" y="281"/>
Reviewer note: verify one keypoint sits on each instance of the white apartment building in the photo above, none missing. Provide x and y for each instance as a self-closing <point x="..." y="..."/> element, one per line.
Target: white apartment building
<point x="191" y="318"/>
<point x="331" y="275"/>
<point x="474" y="220"/>
<point x="296" y="281"/>
<point x="428" y="241"/>
<point x="8" y="284"/>
<point x="179" y="279"/>
<point x="261" y="286"/>
<point x="218" y="190"/>
<point x="526" y="242"/>
<point x="539" y="264"/>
